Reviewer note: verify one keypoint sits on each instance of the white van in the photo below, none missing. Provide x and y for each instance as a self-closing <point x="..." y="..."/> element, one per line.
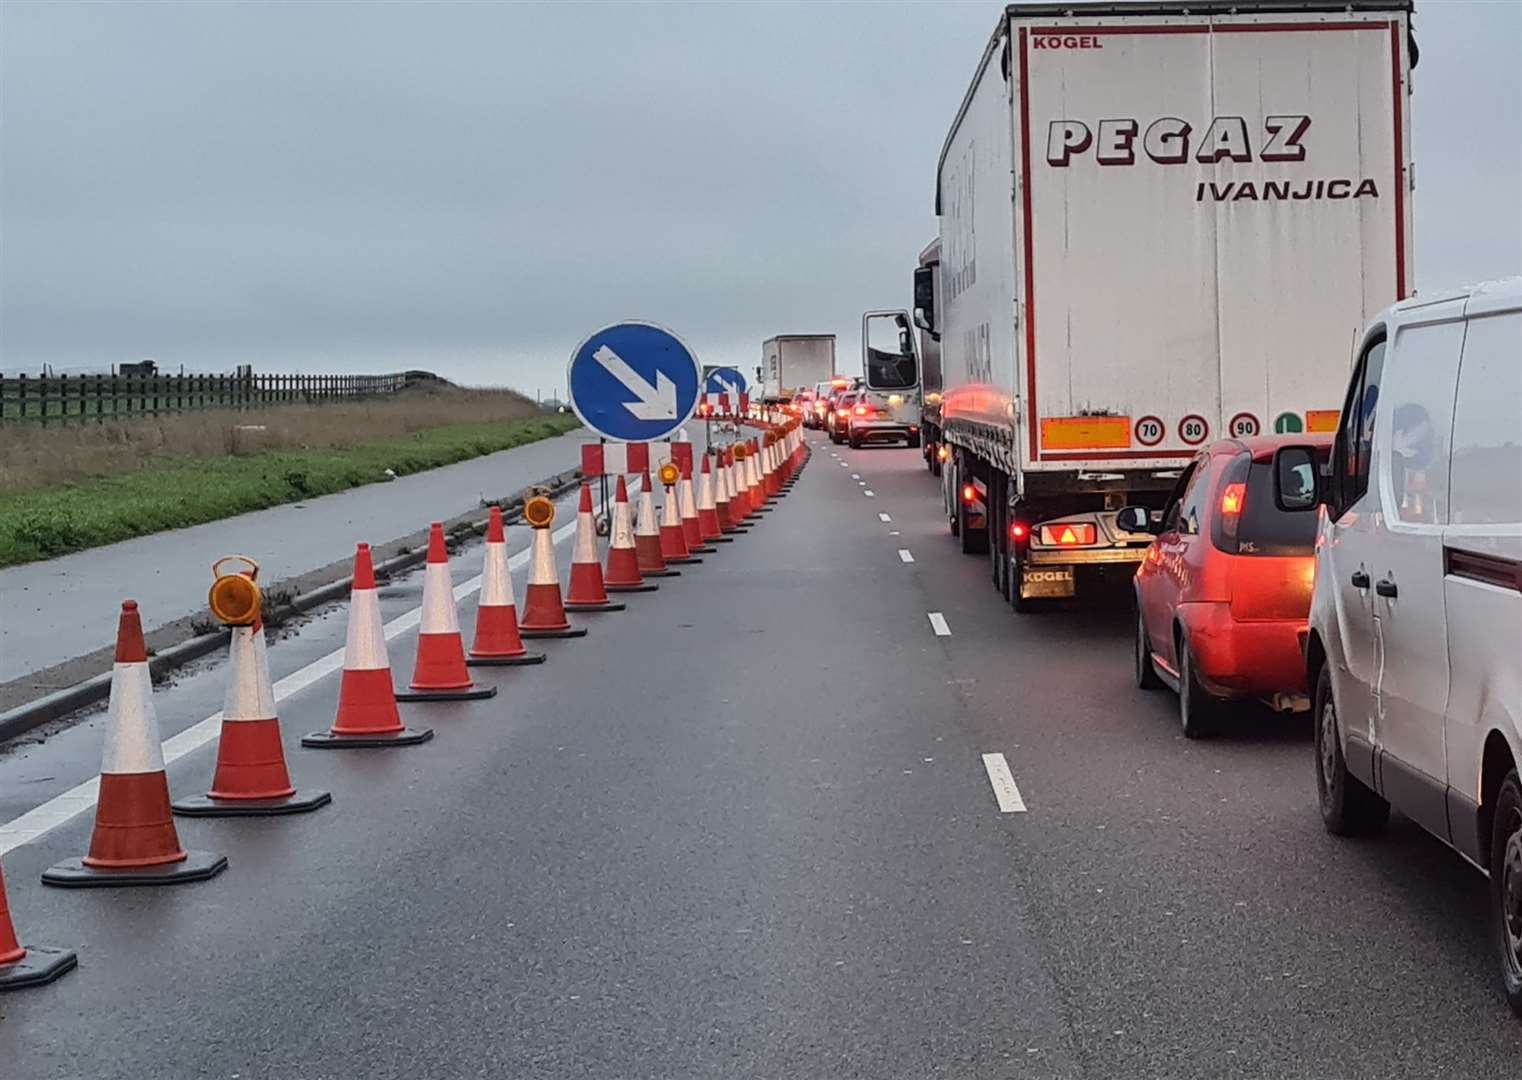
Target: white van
<point x="1415" y="640"/>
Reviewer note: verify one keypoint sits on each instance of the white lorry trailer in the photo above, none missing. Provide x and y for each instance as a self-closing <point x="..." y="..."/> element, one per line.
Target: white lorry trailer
<point x="794" y="362"/>
<point x="1160" y="224"/>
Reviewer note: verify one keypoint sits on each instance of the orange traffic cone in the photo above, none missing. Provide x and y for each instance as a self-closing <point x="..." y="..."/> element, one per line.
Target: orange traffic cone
<point x="134" y="842"/>
<point x="586" y="591"/>
<point x="497" y="642"/>
<point x="708" y="510"/>
<point x="687" y="504"/>
<point x="758" y="494"/>
<point x="543" y="608"/>
<point x="31" y="965"/>
<point x="647" y="537"/>
<point x="623" y="560"/>
<point x="736" y="499"/>
<point x="251" y="778"/>
<point x="367" y="713"/>
<point x="673" y="539"/>
<point x="439" y="673"/>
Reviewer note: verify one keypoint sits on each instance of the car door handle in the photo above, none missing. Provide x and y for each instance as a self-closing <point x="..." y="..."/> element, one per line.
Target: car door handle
<point x="1360" y="579"/>
<point x="1386" y="588"/>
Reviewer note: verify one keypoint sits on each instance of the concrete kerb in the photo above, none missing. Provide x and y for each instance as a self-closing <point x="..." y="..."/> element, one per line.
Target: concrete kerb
<point x="33" y="714"/>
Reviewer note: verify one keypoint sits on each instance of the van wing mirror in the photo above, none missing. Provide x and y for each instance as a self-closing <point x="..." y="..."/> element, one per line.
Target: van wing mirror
<point x="1135" y="519"/>
<point x="1298" y="484"/>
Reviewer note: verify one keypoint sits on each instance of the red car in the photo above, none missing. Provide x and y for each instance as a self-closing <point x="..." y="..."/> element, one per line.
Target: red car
<point x="1224" y="592"/>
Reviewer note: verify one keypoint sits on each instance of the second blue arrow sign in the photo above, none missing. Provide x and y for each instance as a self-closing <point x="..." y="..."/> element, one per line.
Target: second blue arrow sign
<point x="634" y="382"/>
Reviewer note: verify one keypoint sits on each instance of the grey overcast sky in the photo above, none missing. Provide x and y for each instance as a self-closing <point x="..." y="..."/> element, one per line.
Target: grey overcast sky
<point x="474" y="187"/>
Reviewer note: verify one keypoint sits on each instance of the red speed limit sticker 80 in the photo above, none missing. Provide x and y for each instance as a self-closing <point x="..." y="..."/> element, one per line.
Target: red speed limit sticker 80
<point x="1193" y="429"/>
<point x="1242" y="425"/>
<point x="1150" y="430"/>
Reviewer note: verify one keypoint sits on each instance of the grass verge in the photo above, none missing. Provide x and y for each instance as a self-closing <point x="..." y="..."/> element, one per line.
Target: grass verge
<point x="174" y="492"/>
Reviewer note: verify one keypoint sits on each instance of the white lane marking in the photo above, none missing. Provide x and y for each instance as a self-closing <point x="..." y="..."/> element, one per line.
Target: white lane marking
<point x="861" y="483"/>
<point x="938" y="624"/>
<point x="61" y="808"/>
<point x="856" y="476"/>
<point x="843" y="465"/>
<point x="869" y="493"/>
<point x="892" y="532"/>
<point x="1003" y="783"/>
<point x="904" y="556"/>
<point x="883" y="517"/>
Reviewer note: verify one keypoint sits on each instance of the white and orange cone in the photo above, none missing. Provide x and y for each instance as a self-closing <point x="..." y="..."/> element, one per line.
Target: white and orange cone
<point x="367" y="715"/>
<point x="543" y="607"/>
<point x="497" y="642"/>
<point x="738" y="507"/>
<point x="586" y="590"/>
<point x="251" y="779"/>
<point x="27" y="965"/>
<point x="623" y="560"/>
<point x="757" y="486"/>
<point x="687" y="505"/>
<point x="134" y="842"/>
<point x="673" y="537"/>
<point x="708" y="510"/>
<point x="647" y="536"/>
<point x="439" y="672"/>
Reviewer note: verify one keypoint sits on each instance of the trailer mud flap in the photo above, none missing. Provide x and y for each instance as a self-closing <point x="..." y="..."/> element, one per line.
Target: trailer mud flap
<point x="1046" y="582"/>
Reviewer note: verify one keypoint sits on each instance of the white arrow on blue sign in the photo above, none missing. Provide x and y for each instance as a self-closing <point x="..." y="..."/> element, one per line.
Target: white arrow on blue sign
<point x="725" y="380"/>
<point x="634" y="382"/>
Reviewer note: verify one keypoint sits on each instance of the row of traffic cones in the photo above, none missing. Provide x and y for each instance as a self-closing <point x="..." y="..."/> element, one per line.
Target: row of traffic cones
<point x="134" y="840"/>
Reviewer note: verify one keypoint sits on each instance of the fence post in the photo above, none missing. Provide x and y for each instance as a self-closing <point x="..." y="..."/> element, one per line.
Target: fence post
<point x="21" y="395"/>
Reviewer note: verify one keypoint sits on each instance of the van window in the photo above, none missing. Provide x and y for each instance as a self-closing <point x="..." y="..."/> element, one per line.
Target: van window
<point x="1350" y="457"/>
<point x="1413" y="432"/>
<point x="1485" y="485"/>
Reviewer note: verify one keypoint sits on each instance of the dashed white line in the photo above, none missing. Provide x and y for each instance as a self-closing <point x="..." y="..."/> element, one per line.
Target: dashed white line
<point x="883" y="517"/>
<point x="861" y="483"/>
<point x="938" y="624"/>
<point x="904" y="555"/>
<point x="1003" y="781"/>
<point x="869" y="493"/>
<point x="856" y="476"/>
<point x="843" y="465"/>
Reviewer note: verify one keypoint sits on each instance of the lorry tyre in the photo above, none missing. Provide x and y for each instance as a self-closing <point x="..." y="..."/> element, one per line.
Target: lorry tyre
<point x="1348" y="806"/>
<point x="1146" y="674"/>
<point x="1506" y="886"/>
<point x="1198" y="712"/>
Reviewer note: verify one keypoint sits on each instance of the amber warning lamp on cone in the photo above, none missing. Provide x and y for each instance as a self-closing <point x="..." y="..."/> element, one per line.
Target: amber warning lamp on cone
<point x="235" y="598"/>
<point x="669" y="473"/>
<point x="739" y="451"/>
<point x="539" y="512"/>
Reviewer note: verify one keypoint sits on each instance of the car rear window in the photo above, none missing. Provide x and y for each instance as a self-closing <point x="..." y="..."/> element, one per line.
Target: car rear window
<point x="1260" y="527"/>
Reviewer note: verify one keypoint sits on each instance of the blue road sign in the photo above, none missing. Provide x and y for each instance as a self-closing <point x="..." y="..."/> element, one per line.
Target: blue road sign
<point x="634" y="382"/>
<point x="725" y="380"/>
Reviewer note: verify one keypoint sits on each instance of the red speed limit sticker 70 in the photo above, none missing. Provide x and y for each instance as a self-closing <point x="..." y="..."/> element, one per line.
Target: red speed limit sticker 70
<point x="1193" y="429"/>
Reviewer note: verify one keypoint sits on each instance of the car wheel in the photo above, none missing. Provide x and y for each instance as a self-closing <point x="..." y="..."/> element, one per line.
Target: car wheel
<point x="1146" y="674"/>
<point x="1506" y="885"/>
<point x="914" y="442"/>
<point x="855" y="441"/>
<point x="1348" y="807"/>
<point x="1198" y="712"/>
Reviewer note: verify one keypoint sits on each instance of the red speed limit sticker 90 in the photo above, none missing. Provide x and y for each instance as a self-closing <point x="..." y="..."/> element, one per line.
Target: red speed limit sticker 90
<point x="1243" y="425"/>
<point x="1193" y="429"/>
<point x="1150" y="430"/>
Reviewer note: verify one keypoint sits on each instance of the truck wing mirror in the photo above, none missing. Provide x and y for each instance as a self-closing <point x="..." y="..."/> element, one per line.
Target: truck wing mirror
<point x="1298" y="483"/>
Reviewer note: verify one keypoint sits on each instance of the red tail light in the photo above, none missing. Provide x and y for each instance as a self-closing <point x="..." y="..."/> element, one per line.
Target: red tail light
<point x="969" y="493"/>
<point x="862" y="410"/>
<point x="1018" y="531"/>
<point x="1233" y="497"/>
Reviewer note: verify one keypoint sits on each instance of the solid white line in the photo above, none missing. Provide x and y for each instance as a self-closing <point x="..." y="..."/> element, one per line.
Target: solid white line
<point x="938" y="624"/>
<point x="883" y="517"/>
<point x="904" y="556"/>
<point x="61" y="808"/>
<point x="869" y="493"/>
<point x="1003" y="783"/>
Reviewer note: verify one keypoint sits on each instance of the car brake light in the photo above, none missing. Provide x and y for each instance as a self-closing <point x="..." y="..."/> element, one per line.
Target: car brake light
<point x="1232" y="498"/>
<point x="1068" y="534"/>
<point x="861" y="410"/>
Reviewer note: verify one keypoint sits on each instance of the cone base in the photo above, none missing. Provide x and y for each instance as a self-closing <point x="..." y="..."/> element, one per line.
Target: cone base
<point x="598" y="605"/>
<point x="701" y="549"/>
<point x="683" y="560"/>
<point x="520" y="660"/>
<point x="764" y="509"/>
<point x="197" y="866"/>
<point x="466" y="693"/>
<point x="300" y="802"/>
<point x="659" y="573"/>
<point x="40" y="965"/>
<point x="644" y="586"/>
<point x="720" y="540"/>
<point x="327" y="740"/>
<point x="568" y="631"/>
<point x="740" y="528"/>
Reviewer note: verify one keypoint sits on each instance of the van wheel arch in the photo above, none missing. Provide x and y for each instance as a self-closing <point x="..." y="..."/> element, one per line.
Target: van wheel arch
<point x="1496" y="762"/>
<point x="1315" y="660"/>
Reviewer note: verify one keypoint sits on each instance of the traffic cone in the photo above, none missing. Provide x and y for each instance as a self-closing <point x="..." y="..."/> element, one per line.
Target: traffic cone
<point x="736" y="501"/>
<point x="439" y="672"/>
<point x="367" y="715"/>
<point x="757" y="490"/>
<point x="32" y="965"/>
<point x="708" y="511"/>
<point x="647" y="537"/>
<point x="134" y="842"/>
<point x="587" y="591"/>
<point x="497" y="642"/>
<point x="623" y="561"/>
<point x="543" y="608"/>
<point x="722" y="509"/>
<point x="687" y="506"/>
<point x="673" y="539"/>
<point x="251" y="779"/>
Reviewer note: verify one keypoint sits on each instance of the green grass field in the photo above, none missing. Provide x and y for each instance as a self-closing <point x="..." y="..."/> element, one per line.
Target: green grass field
<point x="173" y="492"/>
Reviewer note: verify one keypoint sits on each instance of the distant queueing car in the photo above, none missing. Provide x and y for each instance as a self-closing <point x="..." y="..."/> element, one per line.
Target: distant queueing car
<point x="1224" y="592"/>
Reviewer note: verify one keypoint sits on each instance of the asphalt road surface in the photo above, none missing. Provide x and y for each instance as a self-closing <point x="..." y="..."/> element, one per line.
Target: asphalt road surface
<point x="747" y="828"/>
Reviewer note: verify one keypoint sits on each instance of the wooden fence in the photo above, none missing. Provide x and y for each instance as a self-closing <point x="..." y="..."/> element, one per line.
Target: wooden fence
<point x="48" y="399"/>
